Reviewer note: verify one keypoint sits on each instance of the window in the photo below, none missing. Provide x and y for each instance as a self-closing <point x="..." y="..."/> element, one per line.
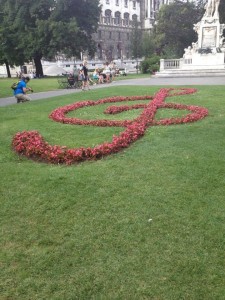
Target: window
<point x="134" y="18"/>
<point x="110" y="35"/>
<point x="134" y="4"/>
<point x="117" y="2"/>
<point x="126" y="19"/>
<point x="126" y="3"/>
<point x="99" y="34"/>
<point x="107" y="16"/>
<point x="117" y="18"/>
<point x="107" y="2"/>
<point x="127" y="52"/>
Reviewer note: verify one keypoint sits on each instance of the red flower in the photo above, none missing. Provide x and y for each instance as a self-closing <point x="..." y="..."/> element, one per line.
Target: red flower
<point x="33" y="145"/>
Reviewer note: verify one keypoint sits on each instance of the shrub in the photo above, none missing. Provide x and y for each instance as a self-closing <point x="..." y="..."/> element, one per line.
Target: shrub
<point x="150" y="65"/>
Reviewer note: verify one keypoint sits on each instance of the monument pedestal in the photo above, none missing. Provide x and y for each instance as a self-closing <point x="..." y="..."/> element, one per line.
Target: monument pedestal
<point x="205" y="61"/>
<point x="206" y="53"/>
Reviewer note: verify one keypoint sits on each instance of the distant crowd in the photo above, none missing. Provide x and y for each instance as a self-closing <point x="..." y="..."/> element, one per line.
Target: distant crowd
<point x="81" y="75"/>
<point x="106" y="74"/>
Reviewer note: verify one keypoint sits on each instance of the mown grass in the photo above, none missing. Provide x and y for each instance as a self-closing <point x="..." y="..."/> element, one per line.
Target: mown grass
<point x="47" y="84"/>
<point x="146" y="223"/>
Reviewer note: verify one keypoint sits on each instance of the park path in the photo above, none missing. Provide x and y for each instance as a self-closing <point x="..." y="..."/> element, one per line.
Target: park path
<point x="151" y="81"/>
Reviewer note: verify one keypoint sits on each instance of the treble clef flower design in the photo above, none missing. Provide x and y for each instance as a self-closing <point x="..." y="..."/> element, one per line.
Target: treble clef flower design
<point x="32" y="145"/>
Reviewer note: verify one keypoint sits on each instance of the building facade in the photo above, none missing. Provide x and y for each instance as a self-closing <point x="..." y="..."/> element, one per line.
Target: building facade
<point x="115" y="25"/>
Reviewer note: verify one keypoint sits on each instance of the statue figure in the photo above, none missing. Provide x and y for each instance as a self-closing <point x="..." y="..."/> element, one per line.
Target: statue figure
<point x="197" y="28"/>
<point x="212" y="8"/>
<point x="194" y="47"/>
<point x="187" y="52"/>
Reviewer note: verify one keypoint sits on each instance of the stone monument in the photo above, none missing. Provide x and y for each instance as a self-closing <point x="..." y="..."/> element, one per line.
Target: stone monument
<point x="209" y="50"/>
<point x="207" y="55"/>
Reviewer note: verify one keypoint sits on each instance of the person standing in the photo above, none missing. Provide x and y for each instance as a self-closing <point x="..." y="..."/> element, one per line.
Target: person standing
<point x="113" y="70"/>
<point x="85" y="80"/>
<point x="21" y="90"/>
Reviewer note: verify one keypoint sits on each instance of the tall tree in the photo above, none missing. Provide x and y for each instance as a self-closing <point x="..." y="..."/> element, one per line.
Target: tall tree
<point x="222" y="12"/>
<point x="9" y="54"/>
<point x="136" y="42"/>
<point x="148" y="44"/>
<point x="46" y="27"/>
<point x="30" y="14"/>
<point x="80" y="25"/>
<point x="174" y="29"/>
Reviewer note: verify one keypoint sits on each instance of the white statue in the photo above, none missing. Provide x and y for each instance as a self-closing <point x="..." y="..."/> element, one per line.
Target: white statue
<point x="212" y="8"/>
<point x="197" y="28"/>
<point x="187" y="52"/>
<point x="194" y="47"/>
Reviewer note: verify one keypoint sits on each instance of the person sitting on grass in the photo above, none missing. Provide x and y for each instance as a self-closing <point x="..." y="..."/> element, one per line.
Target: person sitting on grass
<point x="22" y="89"/>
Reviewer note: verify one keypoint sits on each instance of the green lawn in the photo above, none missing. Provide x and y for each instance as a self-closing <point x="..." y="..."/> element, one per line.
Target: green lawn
<point x="38" y="85"/>
<point x="146" y="223"/>
<point x="47" y="84"/>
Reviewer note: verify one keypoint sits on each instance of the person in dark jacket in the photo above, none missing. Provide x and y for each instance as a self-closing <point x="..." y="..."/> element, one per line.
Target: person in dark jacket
<point x="85" y="80"/>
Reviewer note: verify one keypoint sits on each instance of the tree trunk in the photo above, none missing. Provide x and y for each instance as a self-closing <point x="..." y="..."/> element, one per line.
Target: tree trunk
<point x="7" y="69"/>
<point x="137" y="66"/>
<point x="38" y="66"/>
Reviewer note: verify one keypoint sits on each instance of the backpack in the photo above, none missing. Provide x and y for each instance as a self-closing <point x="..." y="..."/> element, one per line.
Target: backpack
<point x="14" y="85"/>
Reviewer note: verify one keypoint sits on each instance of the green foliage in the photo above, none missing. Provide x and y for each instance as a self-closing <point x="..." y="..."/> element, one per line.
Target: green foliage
<point x="151" y="64"/>
<point x="222" y="12"/>
<point x="136" y="40"/>
<point x="200" y="4"/>
<point x="79" y="20"/>
<point x="174" y="29"/>
<point x="148" y="44"/>
<point x="35" y="29"/>
<point x="9" y="50"/>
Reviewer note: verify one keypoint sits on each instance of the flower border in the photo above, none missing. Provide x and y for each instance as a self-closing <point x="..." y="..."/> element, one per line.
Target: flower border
<point x="32" y="145"/>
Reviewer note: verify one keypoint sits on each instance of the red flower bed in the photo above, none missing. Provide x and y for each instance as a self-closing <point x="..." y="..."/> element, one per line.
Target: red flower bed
<point x="33" y="145"/>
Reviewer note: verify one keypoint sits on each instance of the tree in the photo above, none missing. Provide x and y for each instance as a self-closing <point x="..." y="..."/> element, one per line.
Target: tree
<point x="174" y="29"/>
<point x="46" y="27"/>
<point x="80" y="25"/>
<point x="148" y="44"/>
<point x="200" y="4"/>
<point x="222" y="12"/>
<point x="136" y="42"/>
<point x="9" y="54"/>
